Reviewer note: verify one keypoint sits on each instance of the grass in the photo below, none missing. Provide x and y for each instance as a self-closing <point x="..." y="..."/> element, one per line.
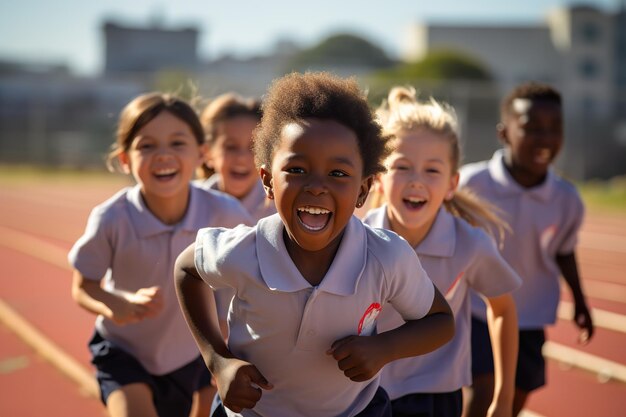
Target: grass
<point x="605" y="196"/>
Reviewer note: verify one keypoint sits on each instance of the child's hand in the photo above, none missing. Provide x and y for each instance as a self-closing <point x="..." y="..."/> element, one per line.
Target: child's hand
<point x="359" y="357"/>
<point x="239" y="385"/>
<point x="151" y="298"/>
<point x="582" y="318"/>
<point x="134" y="307"/>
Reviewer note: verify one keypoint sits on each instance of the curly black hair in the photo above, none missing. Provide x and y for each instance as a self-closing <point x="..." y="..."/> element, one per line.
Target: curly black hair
<point x="320" y="95"/>
<point x="533" y="91"/>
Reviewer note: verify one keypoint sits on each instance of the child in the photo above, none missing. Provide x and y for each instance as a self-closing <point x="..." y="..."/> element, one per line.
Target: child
<point x="147" y="362"/>
<point x="228" y="122"/>
<point x="423" y="206"/>
<point x="311" y="279"/>
<point x="545" y="213"/>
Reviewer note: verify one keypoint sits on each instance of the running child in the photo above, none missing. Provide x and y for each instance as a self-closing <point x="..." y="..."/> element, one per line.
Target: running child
<point x="228" y="122"/>
<point x="147" y="362"/>
<point x="545" y="213"/>
<point x="423" y="206"/>
<point x="310" y="280"/>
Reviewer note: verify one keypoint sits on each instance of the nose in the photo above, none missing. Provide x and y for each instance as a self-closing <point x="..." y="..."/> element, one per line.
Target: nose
<point x="415" y="180"/>
<point x="243" y="153"/>
<point x="315" y="185"/>
<point x="163" y="152"/>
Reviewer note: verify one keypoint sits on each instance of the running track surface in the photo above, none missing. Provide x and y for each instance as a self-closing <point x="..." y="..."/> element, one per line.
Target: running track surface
<point x="40" y="219"/>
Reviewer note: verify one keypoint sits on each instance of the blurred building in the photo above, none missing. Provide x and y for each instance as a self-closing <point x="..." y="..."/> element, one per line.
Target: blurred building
<point x="581" y="50"/>
<point x="149" y="49"/>
<point x="51" y="117"/>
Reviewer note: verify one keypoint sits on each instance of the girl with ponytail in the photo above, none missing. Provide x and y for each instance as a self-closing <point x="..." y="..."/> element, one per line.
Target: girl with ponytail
<point x="450" y="231"/>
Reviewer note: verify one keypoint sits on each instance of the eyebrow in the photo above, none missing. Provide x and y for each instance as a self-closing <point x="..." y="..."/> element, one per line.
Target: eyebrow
<point x="340" y="159"/>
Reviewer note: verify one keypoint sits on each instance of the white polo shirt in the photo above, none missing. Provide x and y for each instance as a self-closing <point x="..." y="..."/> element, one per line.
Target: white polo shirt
<point x="256" y="201"/>
<point x="456" y="257"/>
<point x="283" y="325"/>
<point x="130" y="248"/>
<point x="545" y="221"/>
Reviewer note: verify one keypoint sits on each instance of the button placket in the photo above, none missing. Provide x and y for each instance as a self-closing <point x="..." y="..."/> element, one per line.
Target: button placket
<point x="307" y="336"/>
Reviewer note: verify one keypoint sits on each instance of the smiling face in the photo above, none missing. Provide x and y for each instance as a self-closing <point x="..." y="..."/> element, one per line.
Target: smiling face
<point x="316" y="179"/>
<point x="231" y="155"/>
<point x="533" y="134"/>
<point x="162" y="158"/>
<point x="419" y="178"/>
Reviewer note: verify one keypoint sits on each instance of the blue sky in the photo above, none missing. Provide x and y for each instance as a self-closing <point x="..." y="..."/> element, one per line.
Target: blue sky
<point x="69" y="31"/>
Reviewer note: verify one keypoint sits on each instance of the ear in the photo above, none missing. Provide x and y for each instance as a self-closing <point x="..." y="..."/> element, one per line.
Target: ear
<point x="268" y="183"/>
<point x="364" y="190"/>
<point x="206" y="155"/>
<point x="501" y="131"/>
<point x="204" y="151"/>
<point x="124" y="161"/>
<point x="378" y="185"/>
<point x="454" y="183"/>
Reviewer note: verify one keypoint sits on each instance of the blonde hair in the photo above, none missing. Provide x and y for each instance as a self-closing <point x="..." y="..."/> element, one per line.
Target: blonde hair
<point x="402" y="112"/>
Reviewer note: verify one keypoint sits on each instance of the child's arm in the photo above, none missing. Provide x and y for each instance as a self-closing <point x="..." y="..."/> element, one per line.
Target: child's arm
<point x="504" y="334"/>
<point x="361" y="357"/>
<point x="582" y="317"/>
<point x="119" y="306"/>
<point x="234" y="377"/>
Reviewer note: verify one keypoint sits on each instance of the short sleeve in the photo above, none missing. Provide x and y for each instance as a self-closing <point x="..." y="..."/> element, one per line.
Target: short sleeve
<point x="489" y="274"/>
<point x="92" y="253"/>
<point x="220" y="254"/>
<point x="570" y="236"/>
<point x="411" y="292"/>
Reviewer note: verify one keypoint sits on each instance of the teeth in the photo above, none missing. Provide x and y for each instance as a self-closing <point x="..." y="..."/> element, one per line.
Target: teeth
<point x="314" y="210"/>
<point x="416" y="200"/>
<point x="242" y="171"/>
<point x="166" y="171"/>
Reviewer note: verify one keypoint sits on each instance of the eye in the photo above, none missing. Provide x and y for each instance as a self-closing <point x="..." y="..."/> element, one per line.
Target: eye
<point x="433" y="171"/>
<point x="338" y="173"/>
<point x="179" y="143"/>
<point x="294" y="170"/>
<point x="145" y="146"/>
<point x="400" y="167"/>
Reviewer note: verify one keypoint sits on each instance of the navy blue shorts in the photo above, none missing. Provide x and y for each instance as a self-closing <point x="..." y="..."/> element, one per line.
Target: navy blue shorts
<point x="444" y="404"/>
<point x="171" y="393"/>
<point x="379" y="406"/>
<point x="531" y="366"/>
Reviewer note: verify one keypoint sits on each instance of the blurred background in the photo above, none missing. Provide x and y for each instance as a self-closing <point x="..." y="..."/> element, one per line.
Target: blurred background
<point x="68" y="67"/>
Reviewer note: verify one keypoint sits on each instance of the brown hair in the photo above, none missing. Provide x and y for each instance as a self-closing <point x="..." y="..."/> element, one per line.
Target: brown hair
<point x="224" y="107"/>
<point x="402" y="111"/>
<point x="140" y="111"/>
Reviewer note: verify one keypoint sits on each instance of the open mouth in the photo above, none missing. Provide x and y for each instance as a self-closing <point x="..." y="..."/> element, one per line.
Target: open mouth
<point x="314" y="218"/>
<point x="165" y="174"/>
<point x="240" y="174"/>
<point x="414" y="203"/>
<point x="542" y="156"/>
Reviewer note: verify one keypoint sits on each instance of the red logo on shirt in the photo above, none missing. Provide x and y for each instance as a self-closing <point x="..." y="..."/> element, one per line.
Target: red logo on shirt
<point x="455" y="284"/>
<point x="546" y="236"/>
<point x="368" y="321"/>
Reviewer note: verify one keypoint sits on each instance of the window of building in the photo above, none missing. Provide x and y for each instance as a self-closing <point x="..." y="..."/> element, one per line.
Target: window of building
<point x="588" y="68"/>
<point x="590" y="32"/>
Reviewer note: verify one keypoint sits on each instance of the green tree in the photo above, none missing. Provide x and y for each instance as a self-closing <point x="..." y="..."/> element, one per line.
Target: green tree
<point x="341" y="50"/>
<point x="437" y="67"/>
